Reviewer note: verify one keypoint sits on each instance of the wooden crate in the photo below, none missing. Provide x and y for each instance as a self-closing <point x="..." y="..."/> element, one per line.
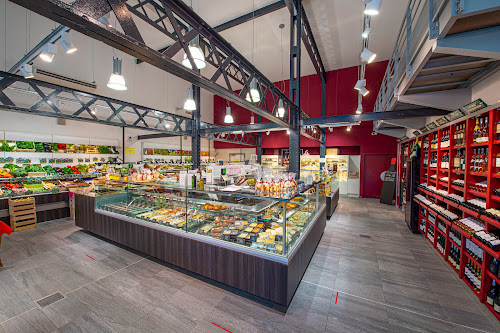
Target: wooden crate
<point x="22" y="214"/>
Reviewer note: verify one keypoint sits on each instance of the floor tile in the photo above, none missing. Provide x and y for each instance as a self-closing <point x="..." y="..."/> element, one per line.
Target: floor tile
<point x="34" y="321"/>
<point x="65" y="311"/>
<point x="89" y="322"/>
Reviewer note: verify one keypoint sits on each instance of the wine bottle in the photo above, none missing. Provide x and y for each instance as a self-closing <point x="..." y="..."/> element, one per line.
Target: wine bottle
<point x="492" y="293"/>
<point x="494" y="266"/>
<point x="496" y="304"/>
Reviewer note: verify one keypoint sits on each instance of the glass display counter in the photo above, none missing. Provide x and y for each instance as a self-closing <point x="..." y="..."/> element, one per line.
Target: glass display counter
<point x="260" y="245"/>
<point x="272" y="225"/>
<point x="329" y="188"/>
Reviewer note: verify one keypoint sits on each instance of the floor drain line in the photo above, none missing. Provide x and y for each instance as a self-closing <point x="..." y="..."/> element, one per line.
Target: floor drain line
<point x="365" y="236"/>
<point x="50" y="300"/>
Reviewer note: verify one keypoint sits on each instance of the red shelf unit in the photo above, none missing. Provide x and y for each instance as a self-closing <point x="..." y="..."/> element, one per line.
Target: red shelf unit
<point x="470" y="176"/>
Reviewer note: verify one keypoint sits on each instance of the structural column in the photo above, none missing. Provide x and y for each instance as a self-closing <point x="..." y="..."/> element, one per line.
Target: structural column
<point x="322" y="147"/>
<point x="295" y="45"/>
<point x="196" y="140"/>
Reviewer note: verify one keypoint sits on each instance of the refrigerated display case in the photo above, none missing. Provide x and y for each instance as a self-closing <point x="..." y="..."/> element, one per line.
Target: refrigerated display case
<point x="228" y="237"/>
<point x="270" y="161"/>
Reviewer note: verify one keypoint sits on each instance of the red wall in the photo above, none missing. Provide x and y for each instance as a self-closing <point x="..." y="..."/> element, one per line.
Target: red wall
<point x="341" y="99"/>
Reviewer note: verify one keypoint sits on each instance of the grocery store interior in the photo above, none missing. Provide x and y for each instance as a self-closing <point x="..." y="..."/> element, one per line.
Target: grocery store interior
<point x="249" y="166"/>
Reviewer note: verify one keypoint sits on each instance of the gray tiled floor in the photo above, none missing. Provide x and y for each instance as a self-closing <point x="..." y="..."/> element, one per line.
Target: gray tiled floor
<point x="393" y="282"/>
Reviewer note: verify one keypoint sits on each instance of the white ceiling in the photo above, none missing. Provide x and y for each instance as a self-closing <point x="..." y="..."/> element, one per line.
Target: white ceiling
<point x="336" y="25"/>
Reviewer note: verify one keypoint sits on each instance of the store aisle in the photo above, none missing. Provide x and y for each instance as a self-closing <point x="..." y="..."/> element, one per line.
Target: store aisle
<point x="369" y="274"/>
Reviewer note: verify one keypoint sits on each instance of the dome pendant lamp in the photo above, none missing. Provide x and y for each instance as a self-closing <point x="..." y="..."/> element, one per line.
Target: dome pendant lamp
<point x="190" y="104"/>
<point x="196" y="53"/>
<point x="253" y="95"/>
<point x="116" y="80"/>
<point x="373" y="7"/>
<point x="281" y="109"/>
<point x="228" y="119"/>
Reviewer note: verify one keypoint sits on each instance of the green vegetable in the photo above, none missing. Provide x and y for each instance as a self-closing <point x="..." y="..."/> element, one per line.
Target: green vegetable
<point x="12" y="167"/>
<point x="104" y="150"/>
<point x="34" y="168"/>
<point x="24" y="145"/>
<point x="6" y="147"/>
<point x="82" y="167"/>
<point x="49" y="169"/>
<point x="67" y="171"/>
<point x="54" y="146"/>
<point x="19" y="173"/>
<point x="39" y="147"/>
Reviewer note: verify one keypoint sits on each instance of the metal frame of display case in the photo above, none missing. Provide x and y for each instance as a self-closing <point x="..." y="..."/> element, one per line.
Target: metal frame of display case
<point x="264" y="274"/>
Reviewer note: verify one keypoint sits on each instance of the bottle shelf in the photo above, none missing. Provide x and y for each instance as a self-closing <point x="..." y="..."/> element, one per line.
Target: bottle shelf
<point x="493" y="277"/>
<point x="480" y="144"/>
<point x="477" y="194"/>
<point x="473" y="260"/>
<point x="458" y="172"/>
<point x="480" y="174"/>
<point x="441" y="232"/>
<point x="496" y="142"/>
<point x="458" y="188"/>
<point x="447" y="148"/>
<point x="495" y="198"/>
<point x="459" y="147"/>
<point x="443" y="184"/>
<point x="497" y="315"/>
<point x="495" y="175"/>
<point x="485" y="248"/>
<point x="444" y="170"/>
<point x="433" y="169"/>
<point x="454" y="268"/>
<point x="472" y="288"/>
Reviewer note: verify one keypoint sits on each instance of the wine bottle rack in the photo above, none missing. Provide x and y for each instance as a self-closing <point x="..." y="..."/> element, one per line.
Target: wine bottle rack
<point x="471" y="178"/>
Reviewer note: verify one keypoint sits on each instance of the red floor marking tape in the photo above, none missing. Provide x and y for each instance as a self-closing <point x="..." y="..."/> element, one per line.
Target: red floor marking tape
<point x="221" y="327"/>
<point x="90" y="257"/>
<point x="337" y="297"/>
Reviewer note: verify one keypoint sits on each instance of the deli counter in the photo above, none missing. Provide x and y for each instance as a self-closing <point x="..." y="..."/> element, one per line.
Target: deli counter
<point x="260" y="245"/>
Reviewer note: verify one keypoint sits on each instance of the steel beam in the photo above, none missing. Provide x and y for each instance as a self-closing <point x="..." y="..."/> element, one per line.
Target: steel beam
<point x="16" y="92"/>
<point x="295" y="53"/>
<point x="250" y="16"/>
<point x="374" y="116"/>
<point x="155" y="136"/>
<point x="445" y="99"/>
<point x="308" y="37"/>
<point x="83" y="15"/>
<point x="240" y="128"/>
<point x="196" y="142"/>
<point x="476" y="43"/>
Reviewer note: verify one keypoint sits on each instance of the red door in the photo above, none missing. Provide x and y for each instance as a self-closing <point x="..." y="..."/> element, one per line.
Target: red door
<point x="373" y="166"/>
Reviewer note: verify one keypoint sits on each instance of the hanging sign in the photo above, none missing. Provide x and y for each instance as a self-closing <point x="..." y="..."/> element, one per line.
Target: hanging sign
<point x="416" y="133"/>
<point x="477" y="105"/>
<point x="441" y="121"/>
<point x="432" y="126"/>
<point x="455" y="114"/>
<point x="424" y="130"/>
<point x="129" y="150"/>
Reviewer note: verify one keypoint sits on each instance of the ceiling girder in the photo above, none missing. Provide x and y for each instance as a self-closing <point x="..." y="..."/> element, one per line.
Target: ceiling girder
<point x="309" y="41"/>
<point x="374" y="116"/>
<point x="86" y="22"/>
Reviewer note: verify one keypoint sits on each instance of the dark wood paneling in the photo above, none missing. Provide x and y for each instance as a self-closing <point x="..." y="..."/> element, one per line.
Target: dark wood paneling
<point x="262" y="277"/>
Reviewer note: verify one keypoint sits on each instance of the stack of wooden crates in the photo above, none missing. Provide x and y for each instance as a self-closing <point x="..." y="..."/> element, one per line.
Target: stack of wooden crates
<point x="22" y="213"/>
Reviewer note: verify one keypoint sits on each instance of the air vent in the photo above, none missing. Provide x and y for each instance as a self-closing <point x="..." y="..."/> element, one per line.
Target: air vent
<point x="45" y="75"/>
<point x="50" y="300"/>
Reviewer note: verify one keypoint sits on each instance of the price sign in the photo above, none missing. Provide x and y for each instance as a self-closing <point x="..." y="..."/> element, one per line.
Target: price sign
<point x="477" y="105"/>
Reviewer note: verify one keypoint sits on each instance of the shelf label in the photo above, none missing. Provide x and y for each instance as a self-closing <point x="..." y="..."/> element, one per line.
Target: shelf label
<point x="129" y="150"/>
<point x="477" y="105"/>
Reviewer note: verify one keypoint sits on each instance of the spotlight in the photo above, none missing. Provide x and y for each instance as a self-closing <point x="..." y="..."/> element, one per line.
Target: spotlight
<point x="349" y="128"/>
<point x="190" y="104"/>
<point x="105" y="20"/>
<point x="268" y="132"/>
<point x="116" y="80"/>
<point x="93" y="111"/>
<point x="360" y="84"/>
<point x="252" y="120"/>
<point x="48" y="53"/>
<point x="360" y="109"/>
<point x="66" y="43"/>
<point x="281" y="109"/>
<point x="228" y="119"/>
<point x="331" y="129"/>
<point x="253" y="95"/>
<point x="27" y="71"/>
<point x="373" y="7"/>
<point x="368" y="56"/>
<point x="288" y="132"/>
<point x="366" y="33"/>
<point x="363" y="91"/>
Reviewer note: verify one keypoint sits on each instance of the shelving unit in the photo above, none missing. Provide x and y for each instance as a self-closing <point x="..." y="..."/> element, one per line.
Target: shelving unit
<point x="470" y="178"/>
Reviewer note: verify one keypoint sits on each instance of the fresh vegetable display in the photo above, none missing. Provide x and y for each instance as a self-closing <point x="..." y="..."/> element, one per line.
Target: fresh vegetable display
<point x="83" y="168"/>
<point x="39" y="147"/>
<point x="19" y="172"/>
<point x="34" y="168"/>
<point x="54" y="147"/>
<point x="6" y="146"/>
<point x="67" y="171"/>
<point x="24" y="145"/>
<point x="104" y="150"/>
<point x="49" y="169"/>
<point x="11" y="166"/>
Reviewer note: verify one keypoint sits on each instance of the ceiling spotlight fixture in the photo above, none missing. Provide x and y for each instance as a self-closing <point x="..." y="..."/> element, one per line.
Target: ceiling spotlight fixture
<point x="196" y="53"/>
<point x="165" y="124"/>
<point x="253" y="95"/>
<point x="281" y="109"/>
<point x="66" y="43"/>
<point x="360" y="84"/>
<point x="373" y="7"/>
<point x="93" y="111"/>
<point x="105" y="20"/>
<point x="48" y="52"/>
<point x="268" y="132"/>
<point x="368" y="56"/>
<point x="331" y="129"/>
<point x="363" y="91"/>
<point x="314" y="130"/>
<point x="190" y="104"/>
<point x="228" y="119"/>
<point x="27" y="71"/>
<point x="116" y="80"/>
<point x="366" y="32"/>
<point x="349" y="128"/>
<point x="252" y="120"/>
<point x="288" y="131"/>
<point x="359" y="110"/>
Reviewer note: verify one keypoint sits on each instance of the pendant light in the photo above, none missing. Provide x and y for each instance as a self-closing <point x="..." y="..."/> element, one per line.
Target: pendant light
<point x="349" y="128"/>
<point x="281" y="109"/>
<point x="363" y="91"/>
<point x="48" y="52"/>
<point x="368" y="56"/>
<point x="359" y="110"/>
<point x="196" y="53"/>
<point x="373" y="7"/>
<point x="228" y="119"/>
<point x="27" y="71"/>
<point x="253" y="95"/>
<point x="366" y="32"/>
<point x="288" y="132"/>
<point x="190" y="104"/>
<point x="252" y="120"/>
<point x="268" y="132"/>
<point x="360" y="84"/>
<point x="116" y="80"/>
<point x="66" y="43"/>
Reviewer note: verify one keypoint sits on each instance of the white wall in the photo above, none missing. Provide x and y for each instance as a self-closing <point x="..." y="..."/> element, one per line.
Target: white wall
<point x="223" y="154"/>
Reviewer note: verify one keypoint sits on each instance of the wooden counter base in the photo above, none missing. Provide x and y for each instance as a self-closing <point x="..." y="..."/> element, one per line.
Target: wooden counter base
<point x="269" y="278"/>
